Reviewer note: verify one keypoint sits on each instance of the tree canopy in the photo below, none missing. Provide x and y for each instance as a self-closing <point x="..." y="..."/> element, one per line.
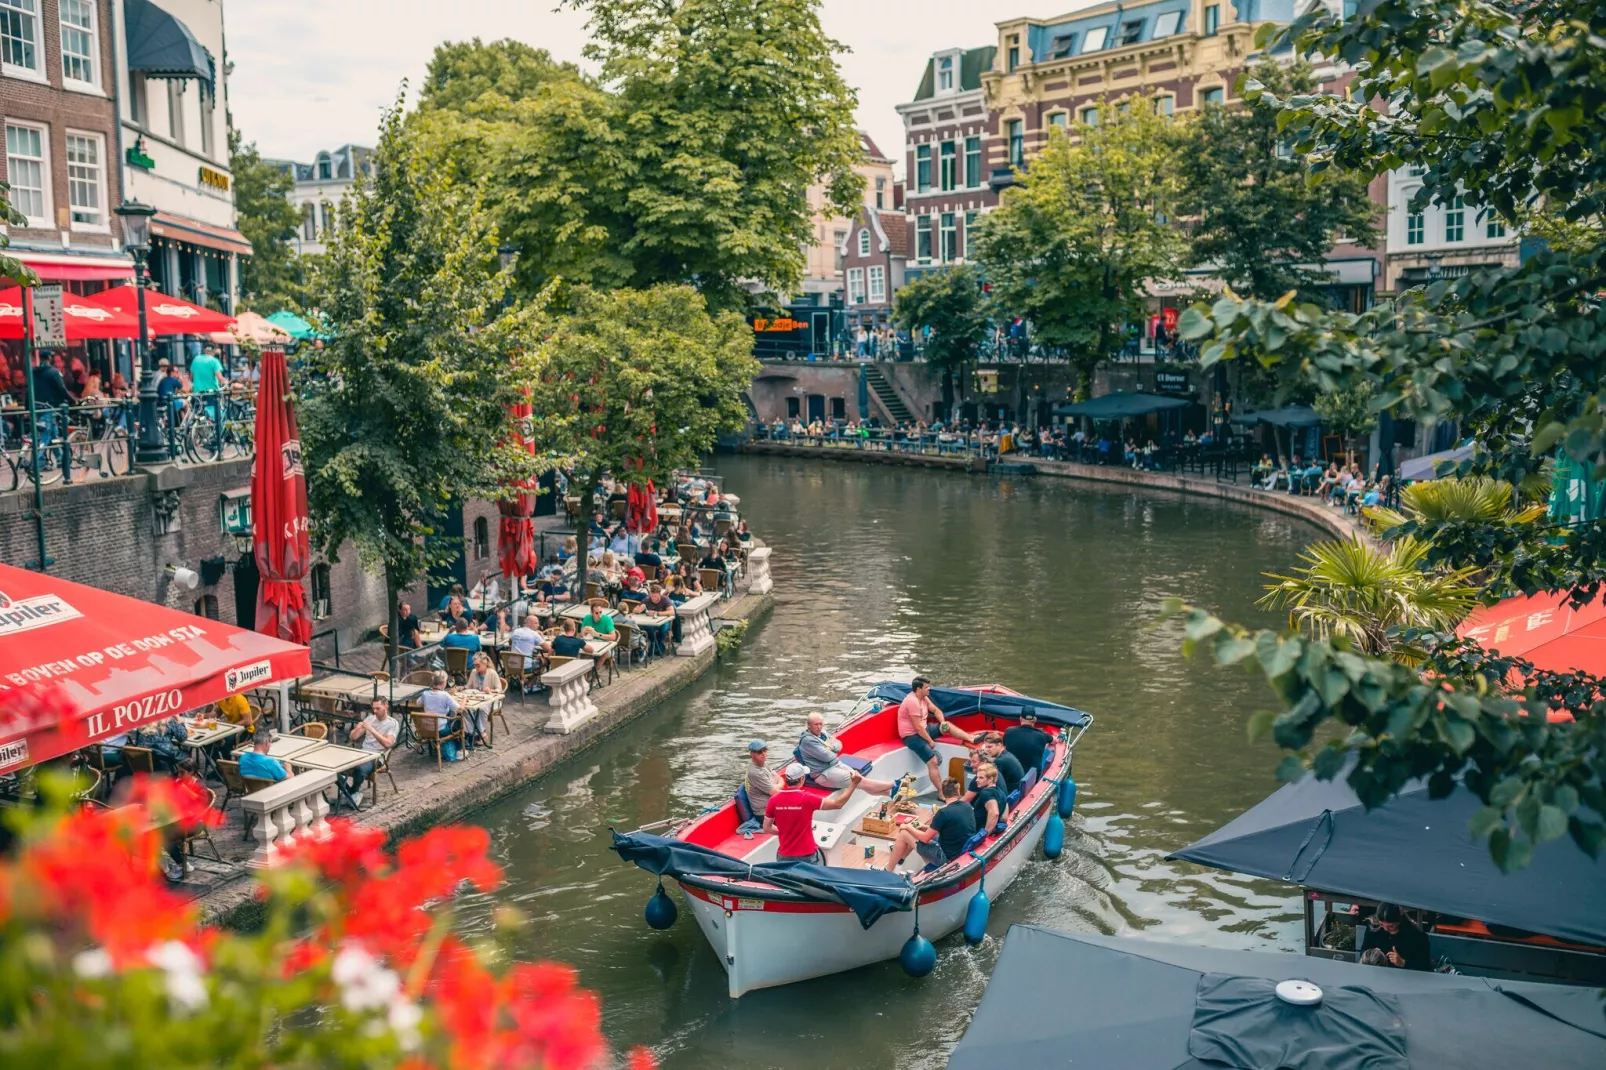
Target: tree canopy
<point x="951" y="306"/>
<point x="271" y="277"/>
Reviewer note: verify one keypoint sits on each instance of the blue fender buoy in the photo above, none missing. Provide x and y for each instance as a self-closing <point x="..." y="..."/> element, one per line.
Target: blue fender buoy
<point x="980" y="906"/>
<point x="1067" y="796"/>
<point x="661" y="910"/>
<point x="918" y="957"/>
<point x="1054" y="836"/>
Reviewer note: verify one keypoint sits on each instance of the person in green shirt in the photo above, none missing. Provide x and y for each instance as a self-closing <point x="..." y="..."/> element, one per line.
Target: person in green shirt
<point x="206" y="372"/>
<point x="598" y="621"/>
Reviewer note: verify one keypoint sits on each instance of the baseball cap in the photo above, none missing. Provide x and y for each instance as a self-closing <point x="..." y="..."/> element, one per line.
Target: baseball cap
<point x="757" y="745"/>
<point x="796" y="771"/>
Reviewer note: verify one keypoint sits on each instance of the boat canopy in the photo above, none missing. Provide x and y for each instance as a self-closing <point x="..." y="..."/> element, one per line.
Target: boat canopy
<point x="952" y="701"/>
<point x="1413" y="851"/>
<point x="868" y="893"/>
<point x="1150" y="1006"/>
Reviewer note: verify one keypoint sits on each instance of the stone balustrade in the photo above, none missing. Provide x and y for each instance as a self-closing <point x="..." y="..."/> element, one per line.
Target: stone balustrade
<point x="696" y="629"/>
<point x="568" y="695"/>
<point x="758" y="571"/>
<point x="292" y="810"/>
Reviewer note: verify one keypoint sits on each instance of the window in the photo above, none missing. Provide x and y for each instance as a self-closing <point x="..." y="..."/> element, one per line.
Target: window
<point x="482" y="538"/>
<point x="1167" y="24"/>
<point x="1057" y="120"/>
<point x="86" y="180"/>
<point x="1132" y="32"/>
<point x="206" y="119"/>
<point x="325" y="168"/>
<point x="864" y="242"/>
<point x="175" y="109"/>
<point x="970" y="228"/>
<point x="839" y="408"/>
<point x="1417" y="170"/>
<point x="839" y="242"/>
<point x="138" y="107"/>
<point x="320" y="592"/>
<point x="1285" y="148"/>
<point x="1212" y="19"/>
<point x="878" y="284"/>
<point x="29" y="173"/>
<point x="948" y="169"/>
<point x="855" y="286"/>
<point x="1413" y="229"/>
<point x="1090" y="116"/>
<point x="78" y="44"/>
<point x="880" y="193"/>
<point x="922" y="168"/>
<point x="327" y="225"/>
<point x="794" y="408"/>
<point x="950" y="239"/>
<point x="1062" y="46"/>
<point x="945" y="74"/>
<point x="923" y="239"/>
<point x="1014" y="51"/>
<point x="973" y="162"/>
<point x="1493" y="227"/>
<point x="1212" y="96"/>
<point x="1165" y="105"/>
<point x="1094" y="39"/>
<point x="1017" y="142"/>
<point x="1455" y="221"/>
<point x="309" y="222"/>
<point x="19" y="36"/>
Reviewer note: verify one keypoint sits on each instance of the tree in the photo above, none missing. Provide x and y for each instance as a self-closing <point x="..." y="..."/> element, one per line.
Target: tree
<point x="405" y="409"/>
<point x="638" y="383"/>
<point x="950" y="305"/>
<point x="1073" y="245"/>
<point x="1348" y="412"/>
<point x="1257" y="224"/>
<point x="11" y="269"/>
<point x="271" y="278"/>
<point x="1506" y="103"/>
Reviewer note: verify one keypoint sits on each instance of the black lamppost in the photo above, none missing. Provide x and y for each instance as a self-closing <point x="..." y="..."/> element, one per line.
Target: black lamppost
<point x="506" y="254"/>
<point x="152" y="446"/>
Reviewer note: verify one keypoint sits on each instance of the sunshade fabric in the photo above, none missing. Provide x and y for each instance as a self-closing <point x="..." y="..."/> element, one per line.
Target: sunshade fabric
<point x="1114" y="1003"/>
<point x="280" y="527"/>
<point x="160" y="45"/>
<point x="77" y="268"/>
<point x="1545" y="630"/>
<point x="1292" y="416"/>
<point x="1120" y="405"/>
<point x="250" y="327"/>
<point x="1412" y="850"/>
<point x="953" y="701"/>
<point x="119" y="662"/>
<point x="298" y="328"/>
<point x="165" y="314"/>
<point x="86" y="317"/>
<point x="515" y="535"/>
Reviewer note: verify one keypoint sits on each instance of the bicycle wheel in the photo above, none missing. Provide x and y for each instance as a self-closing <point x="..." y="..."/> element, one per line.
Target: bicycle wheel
<point x="49" y="470"/>
<point x="82" y="453"/>
<point x="118" y="450"/>
<point x="200" y="439"/>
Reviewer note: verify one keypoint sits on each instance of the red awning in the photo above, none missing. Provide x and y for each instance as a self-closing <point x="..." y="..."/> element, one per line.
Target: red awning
<point x="86" y="317"/>
<point x="164" y="314"/>
<point x="118" y="662"/>
<point x="183" y="229"/>
<point x="1543" y="630"/>
<point x="67" y="268"/>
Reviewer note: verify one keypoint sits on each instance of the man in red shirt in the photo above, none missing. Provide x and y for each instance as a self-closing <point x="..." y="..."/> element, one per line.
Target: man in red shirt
<point x="790" y="815"/>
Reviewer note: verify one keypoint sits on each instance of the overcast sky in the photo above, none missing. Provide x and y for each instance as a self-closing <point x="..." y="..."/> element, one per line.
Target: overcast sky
<point x="314" y="74"/>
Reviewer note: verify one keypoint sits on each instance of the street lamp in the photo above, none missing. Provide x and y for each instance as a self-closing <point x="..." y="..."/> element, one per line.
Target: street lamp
<point x="506" y="253"/>
<point x="151" y="447"/>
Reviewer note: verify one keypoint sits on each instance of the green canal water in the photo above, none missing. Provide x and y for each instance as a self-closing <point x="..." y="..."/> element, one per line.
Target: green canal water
<point x="1049" y="587"/>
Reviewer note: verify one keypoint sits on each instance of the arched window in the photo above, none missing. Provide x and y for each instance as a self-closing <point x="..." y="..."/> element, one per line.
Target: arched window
<point x="482" y="538"/>
<point x="864" y="242"/>
<point x="326" y="169"/>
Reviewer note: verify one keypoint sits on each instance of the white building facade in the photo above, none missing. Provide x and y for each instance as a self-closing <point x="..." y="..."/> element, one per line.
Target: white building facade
<point x="1440" y="240"/>
<point x="320" y="187"/>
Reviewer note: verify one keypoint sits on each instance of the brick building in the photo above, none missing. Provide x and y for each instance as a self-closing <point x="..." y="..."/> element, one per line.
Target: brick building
<point x="874" y="252"/>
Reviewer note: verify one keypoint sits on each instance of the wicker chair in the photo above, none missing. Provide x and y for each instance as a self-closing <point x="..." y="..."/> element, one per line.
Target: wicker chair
<point x="202" y="832"/>
<point x="139" y="760"/>
<point x="427" y="729"/>
<point x="311" y="729"/>
<point x="514" y="671"/>
<point x="420" y="676"/>
<point x="457" y="659"/>
<point x="381" y="765"/>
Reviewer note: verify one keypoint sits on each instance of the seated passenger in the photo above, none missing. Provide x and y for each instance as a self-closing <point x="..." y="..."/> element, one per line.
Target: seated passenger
<point x="818" y="751"/>
<point x="913" y="713"/>
<point x="760" y="781"/>
<point x="1026" y="741"/>
<point x="944" y="839"/>
<point x="1404" y="946"/>
<point x="1010" y="770"/>
<point x="987" y="798"/>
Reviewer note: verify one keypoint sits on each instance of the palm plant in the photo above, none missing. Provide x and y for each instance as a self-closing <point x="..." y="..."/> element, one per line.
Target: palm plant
<point x="1484" y="500"/>
<point x="1366" y="594"/>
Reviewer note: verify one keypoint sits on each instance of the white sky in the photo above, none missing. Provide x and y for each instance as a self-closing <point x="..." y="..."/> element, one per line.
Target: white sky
<point x="314" y="74"/>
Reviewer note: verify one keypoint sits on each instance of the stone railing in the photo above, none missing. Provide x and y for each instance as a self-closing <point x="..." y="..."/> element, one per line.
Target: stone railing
<point x="696" y="630"/>
<point x="758" y="571"/>
<point x="292" y="810"/>
<point x="568" y="695"/>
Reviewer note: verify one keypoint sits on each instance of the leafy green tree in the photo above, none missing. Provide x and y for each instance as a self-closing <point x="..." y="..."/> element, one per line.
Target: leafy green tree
<point x="404" y="409"/>
<point x="1348" y="412"/>
<point x="1503" y="102"/>
<point x="11" y="269"/>
<point x="1256" y="223"/>
<point x="1073" y="244"/>
<point x="272" y="277"/>
<point x="638" y="383"/>
<point x="950" y="305"/>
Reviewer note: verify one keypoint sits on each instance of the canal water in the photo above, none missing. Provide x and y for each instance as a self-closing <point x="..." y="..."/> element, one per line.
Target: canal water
<point x="1050" y="587"/>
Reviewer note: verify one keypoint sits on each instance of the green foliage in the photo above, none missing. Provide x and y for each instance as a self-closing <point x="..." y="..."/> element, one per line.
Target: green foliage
<point x="728" y="640"/>
<point x="1348" y="411"/>
<point x="1073" y="245"/>
<point x="951" y="305"/>
<point x="273" y="276"/>
<point x="404" y="410"/>
<point x="638" y="383"/>
<point x="1256" y="219"/>
<point x="12" y="270"/>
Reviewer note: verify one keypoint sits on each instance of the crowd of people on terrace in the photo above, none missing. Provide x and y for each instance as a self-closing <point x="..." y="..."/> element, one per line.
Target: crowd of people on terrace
<point x="1339" y="485"/>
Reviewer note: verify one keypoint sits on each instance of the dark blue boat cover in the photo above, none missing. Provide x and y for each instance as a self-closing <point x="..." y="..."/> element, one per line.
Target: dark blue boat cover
<point x="868" y="893"/>
<point x="1115" y="1003"/>
<point x="952" y="701"/>
<point x="1413" y="851"/>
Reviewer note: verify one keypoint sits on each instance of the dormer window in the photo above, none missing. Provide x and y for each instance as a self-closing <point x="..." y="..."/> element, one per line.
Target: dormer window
<point x="325" y="167"/>
<point x="945" y="74"/>
<point x="1167" y="24"/>
<point x="1094" y="39"/>
<point x="1064" y="45"/>
<point x="1013" y="53"/>
<point x="864" y="242"/>
<point x="1132" y="32"/>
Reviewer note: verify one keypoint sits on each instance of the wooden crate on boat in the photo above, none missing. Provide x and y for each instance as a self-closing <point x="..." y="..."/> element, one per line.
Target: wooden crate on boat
<point x="872" y="824"/>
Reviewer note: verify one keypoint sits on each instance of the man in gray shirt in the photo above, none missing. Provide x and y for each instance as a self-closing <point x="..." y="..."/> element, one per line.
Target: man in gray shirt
<point x="817" y="749"/>
<point x="760" y="782"/>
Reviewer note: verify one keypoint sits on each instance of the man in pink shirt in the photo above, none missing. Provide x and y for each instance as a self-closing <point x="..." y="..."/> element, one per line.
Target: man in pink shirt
<point x="913" y="711"/>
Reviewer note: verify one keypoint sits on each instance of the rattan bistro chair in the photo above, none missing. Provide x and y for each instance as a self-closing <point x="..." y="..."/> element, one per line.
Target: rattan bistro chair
<point x="456" y="662"/>
<point x="420" y="676"/>
<point x="381" y="765"/>
<point x="201" y="832"/>
<point x="311" y="729"/>
<point x="514" y="671"/>
<point x="139" y="760"/>
<point x="427" y="729"/>
<point x="714" y="579"/>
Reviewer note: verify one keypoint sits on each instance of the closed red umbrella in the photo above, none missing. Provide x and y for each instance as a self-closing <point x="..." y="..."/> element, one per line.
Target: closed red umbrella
<point x="515" y="535"/>
<point x="279" y="524"/>
<point x="164" y="314"/>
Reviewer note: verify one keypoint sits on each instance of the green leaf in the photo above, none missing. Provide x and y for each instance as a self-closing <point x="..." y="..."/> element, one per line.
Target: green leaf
<point x="1459" y="735"/>
<point x="1277" y="655"/>
<point x="1290" y="770"/>
<point x="1260" y="723"/>
<point x="1546" y="437"/>
<point x="1201" y="626"/>
<point x="1231" y="649"/>
<point x="1485" y="820"/>
<point x="1433" y="59"/>
<point x="1193" y="325"/>
<point x="1552" y="824"/>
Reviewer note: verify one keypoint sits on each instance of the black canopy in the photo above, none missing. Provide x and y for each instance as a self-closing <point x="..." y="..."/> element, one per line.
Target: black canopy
<point x="952" y="701"/>
<point x="1121" y="404"/>
<point x="1111" y="1003"/>
<point x="1291" y="416"/>
<point x="161" y="46"/>
<point x="1414" y="851"/>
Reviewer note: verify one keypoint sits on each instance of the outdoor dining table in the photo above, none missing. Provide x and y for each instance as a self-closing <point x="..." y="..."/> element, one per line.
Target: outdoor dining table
<point x="341" y="685"/>
<point x="333" y="758"/>
<point x="286" y="747"/>
<point x="201" y="739"/>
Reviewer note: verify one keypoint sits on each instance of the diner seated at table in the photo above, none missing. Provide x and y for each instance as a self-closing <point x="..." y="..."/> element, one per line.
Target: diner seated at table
<point x="258" y="763"/>
<point x="236" y="709"/>
<point x="714" y="558"/>
<point x="742" y="533"/>
<point x="407" y="626"/>
<point x="608" y="568"/>
<point x="598" y="622"/>
<point x="691" y="583"/>
<point x="635" y="586"/>
<point x="498" y="621"/>
<point x="165" y="741"/>
<point x="195" y="798"/>
<point x="376" y="733"/>
<point x="552" y="590"/>
<point x="462" y="636"/>
<point x="567" y="644"/>
<point x="482" y="675"/>
<point x="528" y="640"/>
<point x="438" y="703"/>
<point x="623" y="542"/>
<point x="648" y="555"/>
<point x="455" y="611"/>
<point x="456" y="592"/>
<point x="569" y="548"/>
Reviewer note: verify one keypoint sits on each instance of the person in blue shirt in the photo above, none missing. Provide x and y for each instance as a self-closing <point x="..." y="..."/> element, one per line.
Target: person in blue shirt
<point x="446" y="599"/>
<point x="553" y="589"/>
<point x="257" y="762"/>
<point x="461" y="637"/>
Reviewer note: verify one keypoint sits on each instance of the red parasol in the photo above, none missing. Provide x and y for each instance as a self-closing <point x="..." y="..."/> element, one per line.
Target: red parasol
<point x="164" y="314"/>
<point x="279" y="523"/>
<point x="1542" y="629"/>
<point x="116" y="661"/>
<point x="641" y="509"/>
<point x="86" y="317"/>
<point x="515" y="536"/>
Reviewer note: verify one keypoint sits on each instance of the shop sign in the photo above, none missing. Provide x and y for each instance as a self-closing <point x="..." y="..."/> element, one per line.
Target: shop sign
<point x="49" y="318"/>
<point x="214" y="178"/>
<point x="1172" y="382"/>
<point x="782" y="325"/>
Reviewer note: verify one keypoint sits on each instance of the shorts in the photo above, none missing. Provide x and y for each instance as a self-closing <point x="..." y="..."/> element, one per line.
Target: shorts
<point x="817" y="857"/>
<point x="925" y="751"/>
<point x="833" y="776"/>
<point x="931" y="852"/>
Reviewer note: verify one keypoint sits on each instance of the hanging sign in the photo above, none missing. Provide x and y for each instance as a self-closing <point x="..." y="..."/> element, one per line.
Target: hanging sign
<point x="49" y="318"/>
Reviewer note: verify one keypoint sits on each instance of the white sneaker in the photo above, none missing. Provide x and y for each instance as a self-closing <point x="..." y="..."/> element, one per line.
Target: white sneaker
<point x="356" y="798"/>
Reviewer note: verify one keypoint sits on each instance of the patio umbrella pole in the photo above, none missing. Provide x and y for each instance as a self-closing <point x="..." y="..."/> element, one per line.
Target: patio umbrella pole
<point x="43" y="563"/>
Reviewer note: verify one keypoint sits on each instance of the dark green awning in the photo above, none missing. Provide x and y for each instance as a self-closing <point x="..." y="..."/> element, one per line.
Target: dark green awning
<point x="1292" y="416"/>
<point x="160" y="46"/>
<point x="1120" y="405"/>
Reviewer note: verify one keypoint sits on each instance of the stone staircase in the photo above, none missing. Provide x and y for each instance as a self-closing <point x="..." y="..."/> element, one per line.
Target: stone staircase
<point x="890" y="400"/>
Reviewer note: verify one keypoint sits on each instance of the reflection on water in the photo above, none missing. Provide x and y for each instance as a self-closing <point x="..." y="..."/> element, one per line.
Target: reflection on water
<point x="1048" y="587"/>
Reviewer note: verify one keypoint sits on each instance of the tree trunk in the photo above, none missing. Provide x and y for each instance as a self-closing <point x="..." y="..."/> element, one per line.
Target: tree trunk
<point x="948" y="393"/>
<point x="392" y="602"/>
<point x="583" y="536"/>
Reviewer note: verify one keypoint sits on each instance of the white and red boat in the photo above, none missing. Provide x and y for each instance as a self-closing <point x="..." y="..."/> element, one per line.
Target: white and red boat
<point x="775" y="923"/>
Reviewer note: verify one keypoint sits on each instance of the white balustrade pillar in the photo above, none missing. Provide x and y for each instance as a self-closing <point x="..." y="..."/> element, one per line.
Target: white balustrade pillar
<point x="292" y="809"/>
<point x="568" y="695"/>
<point x="758" y="571"/>
<point x="696" y="630"/>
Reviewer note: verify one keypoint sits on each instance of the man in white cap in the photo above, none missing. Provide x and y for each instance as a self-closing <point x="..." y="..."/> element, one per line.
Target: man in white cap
<point x="790" y="815"/>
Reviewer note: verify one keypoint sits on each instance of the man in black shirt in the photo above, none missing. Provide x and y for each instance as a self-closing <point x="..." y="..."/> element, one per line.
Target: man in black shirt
<point x="944" y="839"/>
<point x="1027" y="742"/>
<point x="568" y="645"/>
<point x="987" y="797"/>
<point x="1010" y="772"/>
<point x="649" y="555"/>
<point x="406" y="626"/>
<point x="1402" y="943"/>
